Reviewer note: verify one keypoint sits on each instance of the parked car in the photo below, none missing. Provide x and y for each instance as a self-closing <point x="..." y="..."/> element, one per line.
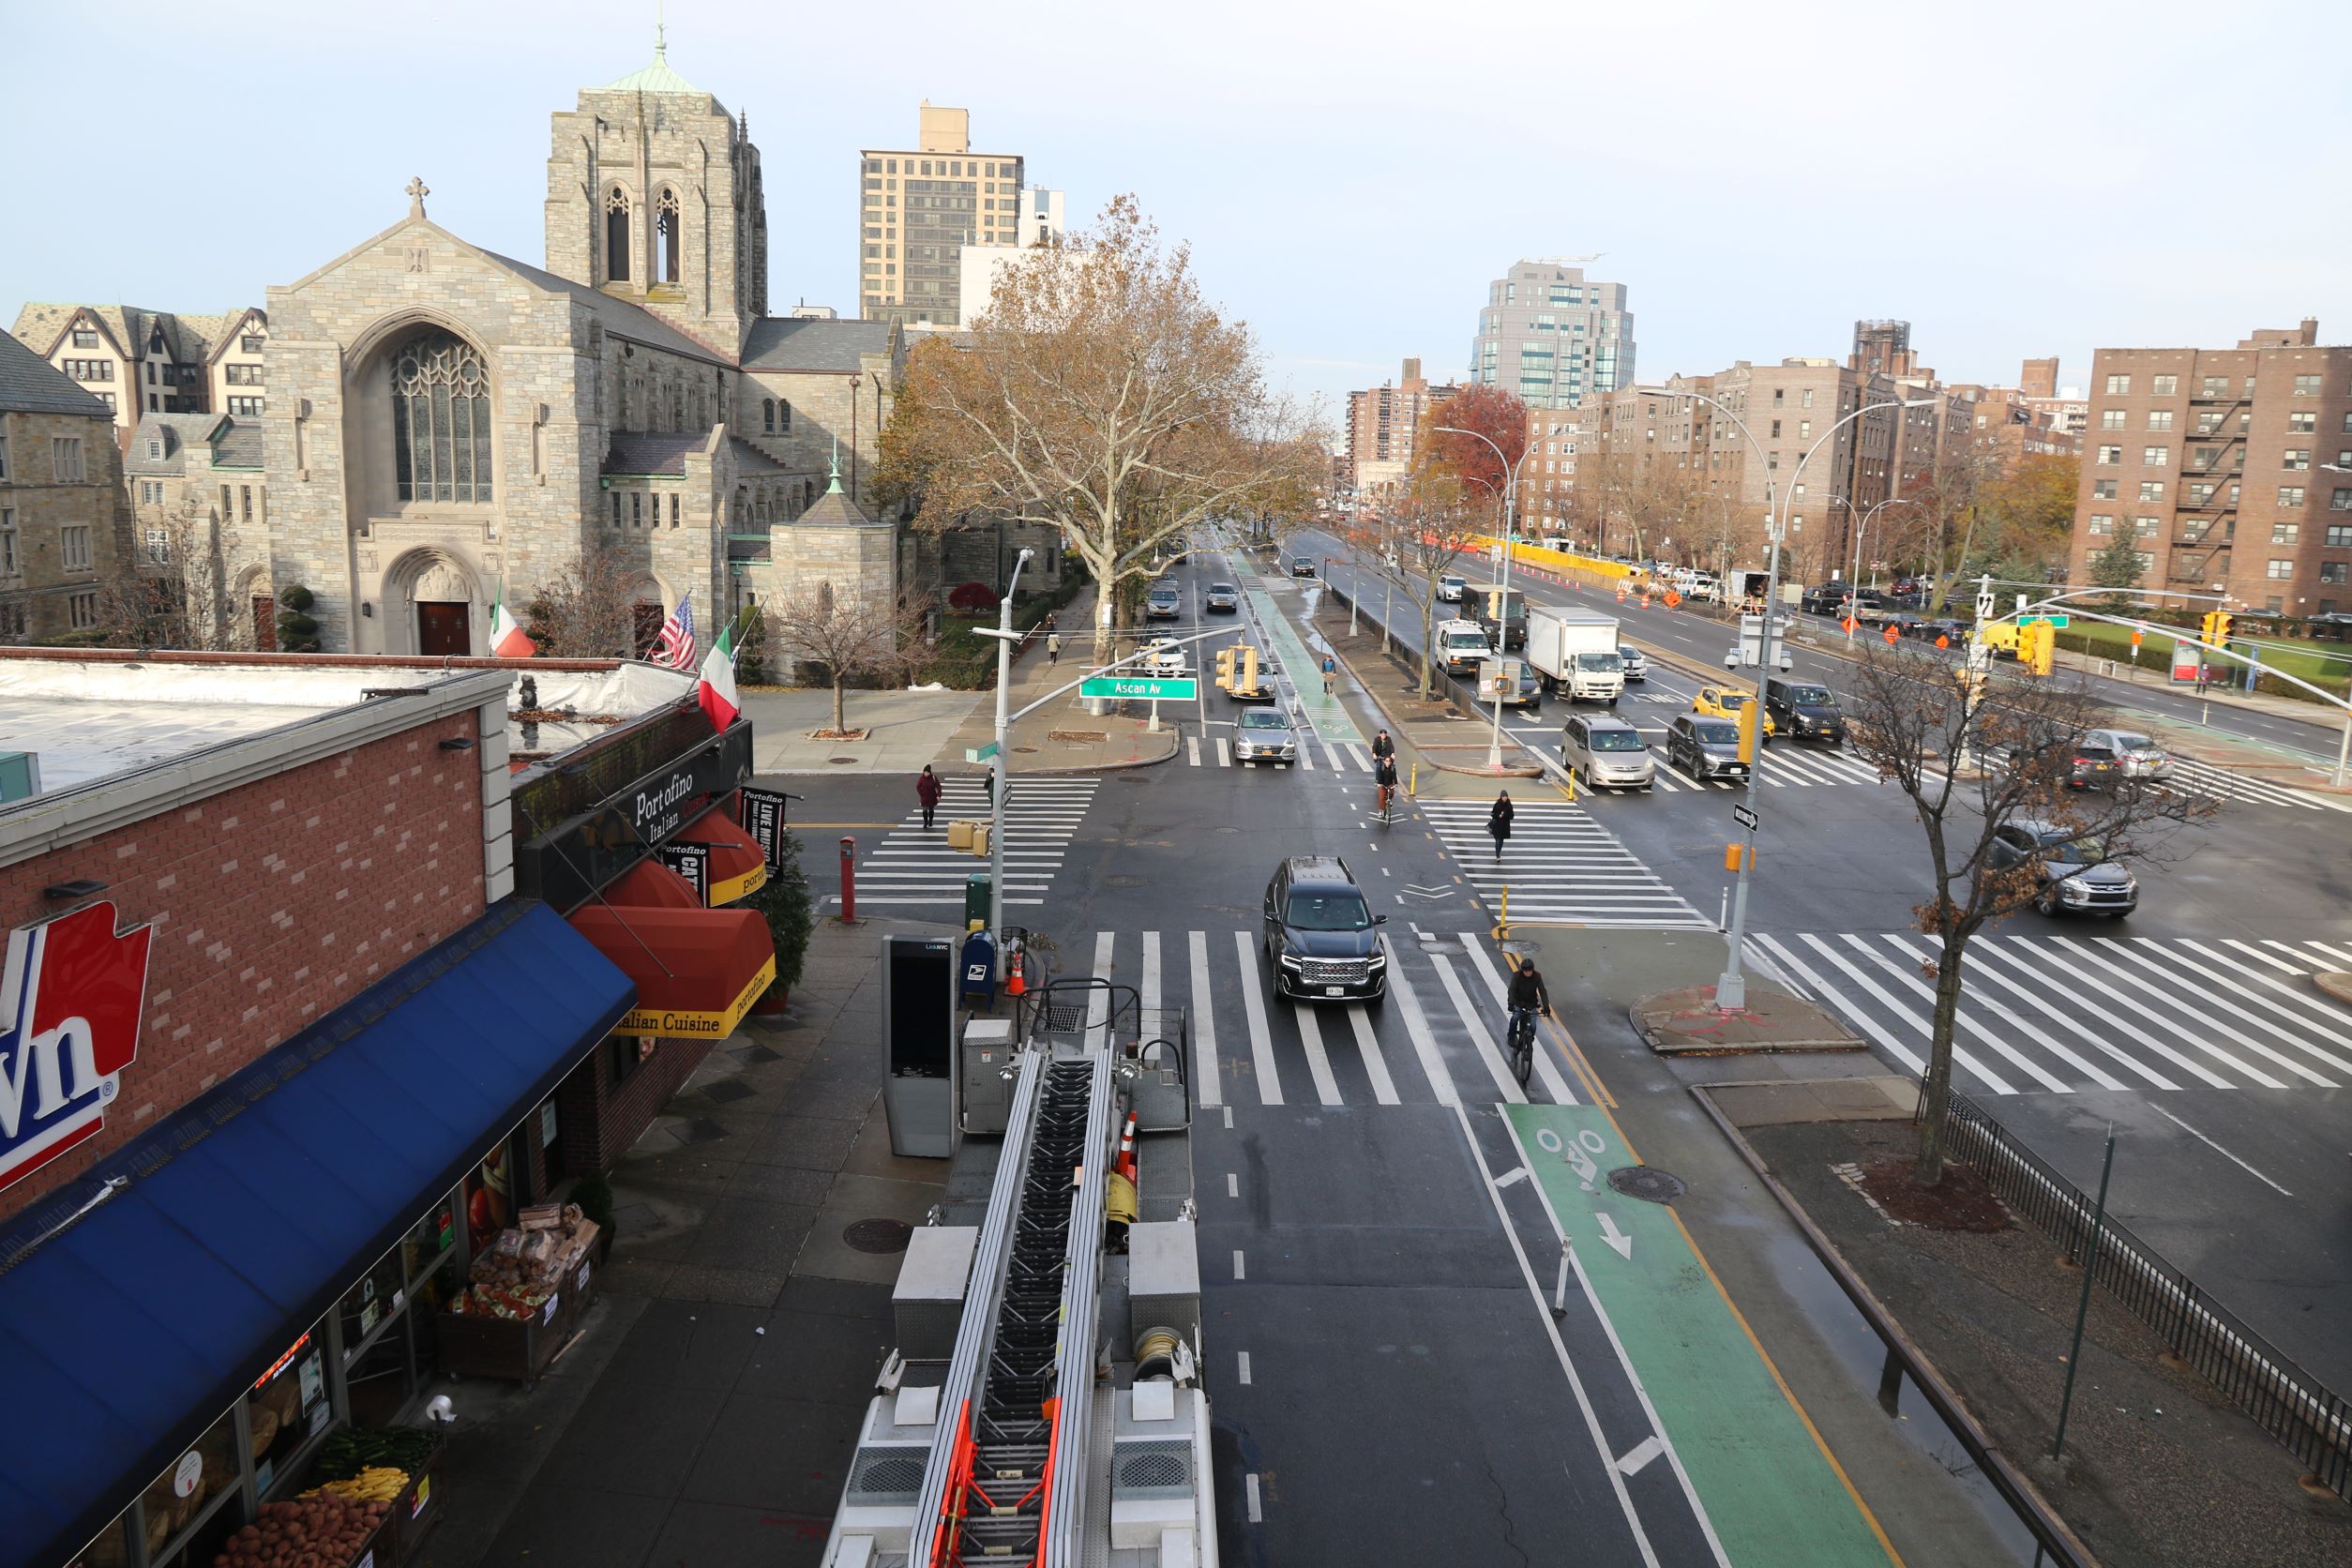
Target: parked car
<point x="1807" y="710"/>
<point x="1952" y="629"/>
<point x="2138" y="754"/>
<point x="1222" y="597"/>
<point x="1603" y="752"/>
<point x="1301" y="565"/>
<point x="1726" y="702"/>
<point x="1163" y="603"/>
<point x="1264" y="735"/>
<point x="1704" y="747"/>
<point x="1321" y="939"/>
<point x="2072" y="872"/>
<point x="1633" y="662"/>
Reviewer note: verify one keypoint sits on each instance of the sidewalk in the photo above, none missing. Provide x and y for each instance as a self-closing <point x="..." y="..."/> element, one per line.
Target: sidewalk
<point x="1432" y="731"/>
<point x="708" y="1410"/>
<point x="1062" y="736"/>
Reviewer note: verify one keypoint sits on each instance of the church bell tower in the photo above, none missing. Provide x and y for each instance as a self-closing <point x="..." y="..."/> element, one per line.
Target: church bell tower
<point x="653" y="196"/>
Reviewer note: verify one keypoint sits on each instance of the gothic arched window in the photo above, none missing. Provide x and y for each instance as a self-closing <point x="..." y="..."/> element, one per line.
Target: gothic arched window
<point x="767" y="414"/>
<point x="616" y="235"/>
<point x="666" y="226"/>
<point x="441" y="420"/>
<point x="784" y="416"/>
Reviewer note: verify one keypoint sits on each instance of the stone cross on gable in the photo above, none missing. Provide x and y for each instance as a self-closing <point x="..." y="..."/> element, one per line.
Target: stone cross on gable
<point x="417" y="192"/>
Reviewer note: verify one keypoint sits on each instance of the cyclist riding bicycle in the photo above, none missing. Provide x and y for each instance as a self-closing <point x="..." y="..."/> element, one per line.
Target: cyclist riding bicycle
<point x="1384" y="775"/>
<point x="1527" y="998"/>
<point x="1382" y="746"/>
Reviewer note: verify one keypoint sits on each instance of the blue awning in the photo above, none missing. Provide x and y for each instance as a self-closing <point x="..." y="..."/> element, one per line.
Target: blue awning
<point x="249" y="1212"/>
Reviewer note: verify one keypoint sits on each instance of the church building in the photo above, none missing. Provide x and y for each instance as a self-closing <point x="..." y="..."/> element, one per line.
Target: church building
<point x="446" y="425"/>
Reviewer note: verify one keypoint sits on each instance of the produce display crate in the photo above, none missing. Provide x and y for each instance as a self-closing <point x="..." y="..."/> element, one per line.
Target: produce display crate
<point x="414" y="1511"/>
<point x="514" y="1350"/>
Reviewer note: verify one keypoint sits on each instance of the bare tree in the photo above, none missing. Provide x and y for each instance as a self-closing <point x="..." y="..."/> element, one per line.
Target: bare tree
<point x="588" y="610"/>
<point x="1978" y="759"/>
<point x="1429" y="533"/>
<point x="842" y="636"/>
<point x="179" y="591"/>
<point x="1100" y="393"/>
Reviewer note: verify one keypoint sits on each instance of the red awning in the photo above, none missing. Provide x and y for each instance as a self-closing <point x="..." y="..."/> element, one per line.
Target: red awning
<point x="738" y="866"/>
<point x="698" y="970"/>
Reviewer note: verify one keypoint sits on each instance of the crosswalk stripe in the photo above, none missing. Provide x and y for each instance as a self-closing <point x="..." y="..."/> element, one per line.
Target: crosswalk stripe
<point x="2302" y="1012"/>
<point x="1989" y="961"/>
<point x="1307" y="756"/>
<point x="1909" y="978"/>
<point x="1561" y="865"/>
<point x="1260" y="1037"/>
<point x="1364" y="762"/>
<point x="1959" y="1053"/>
<point x="1203" y="1020"/>
<point x="1307" y="1016"/>
<point x="1928" y="950"/>
<point x="1862" y="1016"/>
<point x="1148" y="993"/>
<point x="2186" y="1064"/>
<point x="2191" y="1037"/>
<point x="1375" y="1065"/>
<point x="2140" y="960"/>
<point x="1098" y="999"/>
<point x="1546" y="1068"/>
<point x="1225" y="752"/>
<point x="1488" y="1051"/>
<point x="1192" y="749"/>
<point x="1424" y="1041"/>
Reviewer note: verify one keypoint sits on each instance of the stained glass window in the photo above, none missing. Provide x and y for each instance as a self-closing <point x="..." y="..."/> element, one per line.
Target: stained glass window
<point x="441" y="420"/>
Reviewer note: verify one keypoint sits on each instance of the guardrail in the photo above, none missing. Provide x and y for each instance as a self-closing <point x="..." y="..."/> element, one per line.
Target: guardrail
<point x="2308" y="1419"/>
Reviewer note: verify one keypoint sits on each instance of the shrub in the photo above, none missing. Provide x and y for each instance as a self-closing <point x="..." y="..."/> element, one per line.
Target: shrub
<point x="970" y="596"/>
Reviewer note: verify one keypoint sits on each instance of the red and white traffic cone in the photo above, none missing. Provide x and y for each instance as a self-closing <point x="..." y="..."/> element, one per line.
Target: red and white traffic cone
<point x="1125" y="1166"/>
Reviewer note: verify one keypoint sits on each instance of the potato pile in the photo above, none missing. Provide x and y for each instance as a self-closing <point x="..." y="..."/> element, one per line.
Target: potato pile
<point x="322" y="1531"/>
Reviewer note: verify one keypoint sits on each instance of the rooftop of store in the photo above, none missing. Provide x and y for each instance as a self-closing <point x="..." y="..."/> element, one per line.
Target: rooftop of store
<point x="88" y="715"/>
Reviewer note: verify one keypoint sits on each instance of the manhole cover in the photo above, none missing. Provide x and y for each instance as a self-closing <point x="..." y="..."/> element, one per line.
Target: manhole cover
<point x="878" y="1235"/>
<point x="840" y="759"/>
<point x="1648" y="1183"/>
<point x="1439" y="944"/>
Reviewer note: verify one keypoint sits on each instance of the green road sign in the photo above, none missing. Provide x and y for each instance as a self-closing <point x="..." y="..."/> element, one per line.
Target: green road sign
<point x="2048" y="621"/>
<point x="980" y="753"/>
<point x="1139" y="687"/>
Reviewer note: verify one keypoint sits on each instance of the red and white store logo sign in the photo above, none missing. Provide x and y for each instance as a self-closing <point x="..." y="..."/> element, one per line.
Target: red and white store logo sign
<point x="70" y="998"/>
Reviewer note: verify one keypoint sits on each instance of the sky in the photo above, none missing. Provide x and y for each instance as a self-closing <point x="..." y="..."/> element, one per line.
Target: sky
<point x="2014" y="181"/>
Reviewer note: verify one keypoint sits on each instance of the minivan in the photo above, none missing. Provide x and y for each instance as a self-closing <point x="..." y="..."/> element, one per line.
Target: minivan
<point x="1604" y="752"/>
<point x="1804" y="710"/>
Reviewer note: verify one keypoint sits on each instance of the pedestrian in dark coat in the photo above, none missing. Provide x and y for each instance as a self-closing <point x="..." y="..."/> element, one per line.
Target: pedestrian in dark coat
<point x="926" y="790"/>
<point x="1498" y="820"/>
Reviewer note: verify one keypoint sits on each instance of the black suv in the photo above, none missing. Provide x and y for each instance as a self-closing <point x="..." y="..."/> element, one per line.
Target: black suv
<point x="1804" y="710"/>
<point x="1322" y="939"/>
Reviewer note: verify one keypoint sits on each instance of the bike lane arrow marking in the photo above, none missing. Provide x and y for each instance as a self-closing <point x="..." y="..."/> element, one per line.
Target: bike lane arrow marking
<point x="1618" y="1239"/>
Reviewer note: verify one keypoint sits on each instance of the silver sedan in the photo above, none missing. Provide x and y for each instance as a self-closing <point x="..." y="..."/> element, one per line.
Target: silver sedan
<point x="2138" y="754"/>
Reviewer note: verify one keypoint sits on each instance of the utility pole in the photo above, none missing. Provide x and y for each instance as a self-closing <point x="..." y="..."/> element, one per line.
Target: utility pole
<point x="1004" y="636"/>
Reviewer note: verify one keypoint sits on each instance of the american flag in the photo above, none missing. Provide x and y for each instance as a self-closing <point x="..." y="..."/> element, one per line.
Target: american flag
<point x="674" y="647"/>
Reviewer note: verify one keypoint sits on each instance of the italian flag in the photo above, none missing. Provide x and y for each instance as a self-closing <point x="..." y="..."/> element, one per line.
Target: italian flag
<point x="717" y="690"/>
<point x="507" y="638"/>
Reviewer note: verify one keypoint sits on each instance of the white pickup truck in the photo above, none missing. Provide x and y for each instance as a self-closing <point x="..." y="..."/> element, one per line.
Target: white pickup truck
<point x="1575" y="651"/>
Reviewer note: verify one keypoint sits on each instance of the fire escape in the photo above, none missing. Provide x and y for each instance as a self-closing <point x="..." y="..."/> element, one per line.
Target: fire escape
<point x="2214" y="467"/>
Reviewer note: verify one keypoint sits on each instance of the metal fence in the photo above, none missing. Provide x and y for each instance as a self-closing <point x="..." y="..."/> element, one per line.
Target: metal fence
<point x="2312" y="1421"/>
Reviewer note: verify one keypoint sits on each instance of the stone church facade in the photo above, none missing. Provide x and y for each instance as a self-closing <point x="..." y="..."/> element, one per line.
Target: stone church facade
<point x="446" y="424"/>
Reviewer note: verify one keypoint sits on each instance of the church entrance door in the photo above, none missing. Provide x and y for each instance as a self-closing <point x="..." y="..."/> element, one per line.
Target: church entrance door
<point x="445" y="629"/>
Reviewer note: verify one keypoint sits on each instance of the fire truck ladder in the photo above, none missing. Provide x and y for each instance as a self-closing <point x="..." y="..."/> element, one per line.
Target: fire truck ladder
<point x="1004" y="1481"/>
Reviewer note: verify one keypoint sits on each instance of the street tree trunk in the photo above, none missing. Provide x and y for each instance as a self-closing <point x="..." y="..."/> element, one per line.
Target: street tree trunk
<point x="838" y="725"/>
<point x="1935" y="1088"/>
<point x="1428" y="630"/>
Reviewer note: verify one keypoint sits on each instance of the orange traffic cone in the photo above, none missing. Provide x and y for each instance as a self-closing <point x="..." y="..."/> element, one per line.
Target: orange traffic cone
<point x="1125" y="1166"/>
<point x="1016" y="980"/>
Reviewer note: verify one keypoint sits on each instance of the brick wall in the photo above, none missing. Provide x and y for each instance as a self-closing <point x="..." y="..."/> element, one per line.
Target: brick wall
<point x="597" y="1120"/>
<point x="273" y="903"/>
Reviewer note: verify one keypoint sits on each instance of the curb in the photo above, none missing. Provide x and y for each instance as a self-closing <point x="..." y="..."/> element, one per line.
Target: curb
<point x="2335" y="983"/>
<point x="2024" y="1499"/>
<point x="1775" y="1047"/>
<point x="1175" y="745"/>
<point x="1522" y="770"/>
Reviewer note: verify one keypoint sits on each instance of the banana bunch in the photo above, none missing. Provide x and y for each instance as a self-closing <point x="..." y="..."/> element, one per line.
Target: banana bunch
<point x="376" y="1483"/>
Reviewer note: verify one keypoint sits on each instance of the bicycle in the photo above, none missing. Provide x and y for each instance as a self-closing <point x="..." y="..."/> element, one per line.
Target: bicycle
<point x="1387" y="795"/>
<point x="1519" y="1037"/>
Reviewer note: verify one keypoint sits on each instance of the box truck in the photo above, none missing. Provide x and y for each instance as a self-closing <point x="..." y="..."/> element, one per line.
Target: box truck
<point x="1501" y="613"/>
<point x="1575" y="651"/>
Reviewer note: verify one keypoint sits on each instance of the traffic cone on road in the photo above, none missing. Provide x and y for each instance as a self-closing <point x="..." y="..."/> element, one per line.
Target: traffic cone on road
<point x="1125" y="1166"/>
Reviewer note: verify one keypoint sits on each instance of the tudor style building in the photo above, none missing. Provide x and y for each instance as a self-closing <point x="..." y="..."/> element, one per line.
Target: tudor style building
<point x="446" y="424"/>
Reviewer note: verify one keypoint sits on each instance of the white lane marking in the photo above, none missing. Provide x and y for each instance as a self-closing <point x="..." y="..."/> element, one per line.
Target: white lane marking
<point x="1240" y="1271"/>
<point x="1545" y="1069"/>
<point x="1244" y="1369"/>
<point x="1640" y="1455"/>
<point x="1908" y="973"/>
<point x="1364" y="762"/>
<point x="1375" y="1066"/>
<point x="1225" y="752"/>
<point x="1894" y="1046"/>
<point x="1306" y="757"/>
<point x="2185" y="1064"/>
<point x="1517" y="1173"/>
<point x="1192" y="749"/>
<point x="1318" y="1059"/>
<point x="1991" y="961"/>
<point x="1260" y="1037"/>
<point x="1229" y="1117"/>
<point x="1487" y="1050"/>
<point x="2223" y="1152"/>
<point x="1249" y="1484"/>
<point x="1913" y="1021"/>
<point x="1608" y="1326"/>
<point x="1098" y="997"/>
<point x="1148" y="992"/>
<point x="1204" y="1051"/>
<point x="1232" y="1183"/>
<point x="2188" y="1035"/>
<point x="1332" y="757"/>
<point x="2161" y="959"/>
<point x="1417" y="1026"/>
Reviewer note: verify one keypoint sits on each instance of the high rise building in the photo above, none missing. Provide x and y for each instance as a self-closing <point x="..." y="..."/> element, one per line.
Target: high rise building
<point x="920" y="207"/>
<point x="1551" y="335"/>
<point x="1041" y="217"/>
<point x="2230" y="470"/>
<point x="1382" y="424"/>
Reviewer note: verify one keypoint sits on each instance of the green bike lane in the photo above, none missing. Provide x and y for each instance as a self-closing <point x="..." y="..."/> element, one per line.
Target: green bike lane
<point x="1327" y="716"/>
<point x="1774" y="1494"/>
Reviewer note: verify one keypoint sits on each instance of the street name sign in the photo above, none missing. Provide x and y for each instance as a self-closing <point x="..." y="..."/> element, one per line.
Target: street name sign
<point x="1135" y="688"/>
<point x="980" y="753"/>
<point x="2049" y="619"/>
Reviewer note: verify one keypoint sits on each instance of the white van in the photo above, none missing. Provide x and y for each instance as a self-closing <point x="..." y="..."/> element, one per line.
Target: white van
<point x="1461" y="645"/>
<point x="1603" y="752"/>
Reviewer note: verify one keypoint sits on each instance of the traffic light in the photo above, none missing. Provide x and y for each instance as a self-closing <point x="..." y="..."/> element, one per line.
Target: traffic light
<point x="1249" y="670"/>
<point x="2217" y="627"/>
<point x="1751" y="723"/>
<point x="1225" y="668"/>
<point x="2037" y="642"/>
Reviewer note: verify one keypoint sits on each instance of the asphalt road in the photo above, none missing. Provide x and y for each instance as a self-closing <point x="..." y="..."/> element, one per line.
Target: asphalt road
<point x="2193" y="1024"/>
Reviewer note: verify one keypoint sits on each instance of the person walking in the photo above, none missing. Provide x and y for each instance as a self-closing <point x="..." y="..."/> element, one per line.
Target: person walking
<point x="1498" y="820"/>
<point x="1331" y="673"/>
<point x="927" y="791"/>
<point x="1053" y="649"/>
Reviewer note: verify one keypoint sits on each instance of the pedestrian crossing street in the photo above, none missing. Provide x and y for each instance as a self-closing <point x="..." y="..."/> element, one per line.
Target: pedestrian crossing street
<point x="1561" y="865"/>
<point x="1216" y="751"/>
<point x="1438" y="1038"/>
<point x="913" y="866"/>
<point x="2072" y="1012"/>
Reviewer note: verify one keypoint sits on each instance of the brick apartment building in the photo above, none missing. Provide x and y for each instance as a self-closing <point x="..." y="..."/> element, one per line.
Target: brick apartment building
<point x="300" y="1024"/>
<point x="1382" y="426"/>
<point x="2230" y="470"/>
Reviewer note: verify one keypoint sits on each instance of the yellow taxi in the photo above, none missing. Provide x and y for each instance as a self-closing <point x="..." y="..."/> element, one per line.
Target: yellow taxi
<point x="1726" y="702"/>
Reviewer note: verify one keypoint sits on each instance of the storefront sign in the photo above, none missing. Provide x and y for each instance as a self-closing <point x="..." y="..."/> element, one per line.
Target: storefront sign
<point x="71" y="993"/>
<point x="282" y="1362"/>
<point x="424" y="1496"/>
<point x="693" y="862"/>
<point x="187" y="1474"/>
<point x="764" y="818"/>
<point x="564" y="863"/>
<point x="680" y="1025"/>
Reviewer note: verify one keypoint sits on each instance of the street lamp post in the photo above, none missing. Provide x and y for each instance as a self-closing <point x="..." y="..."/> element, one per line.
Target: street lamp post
<point x="1862" y="531"/>
<point x="1502" y="580"/>
<point x="1731" y="988"/>
<point x="1005" y="635"/>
